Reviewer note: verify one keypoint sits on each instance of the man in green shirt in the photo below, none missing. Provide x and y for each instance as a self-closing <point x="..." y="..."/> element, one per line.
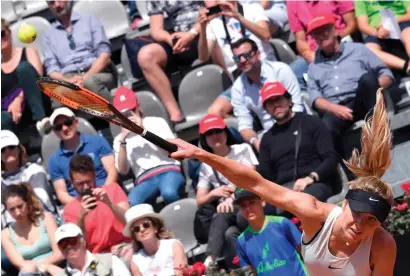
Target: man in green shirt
<point x="370" y="23"/>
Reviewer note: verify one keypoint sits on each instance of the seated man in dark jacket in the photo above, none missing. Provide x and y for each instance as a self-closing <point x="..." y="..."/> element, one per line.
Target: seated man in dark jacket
<point x="297" y="151"/>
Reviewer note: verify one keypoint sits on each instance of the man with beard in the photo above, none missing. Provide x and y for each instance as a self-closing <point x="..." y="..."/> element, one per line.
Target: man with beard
<point x="245" y="90"/>
<point x="76" y="49"/>
<point x="297" y="152"/>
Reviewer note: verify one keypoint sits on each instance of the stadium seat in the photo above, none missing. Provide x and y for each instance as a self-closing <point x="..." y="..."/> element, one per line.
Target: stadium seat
<point x="150" y="104"/>
<point x="283" y="52"/>
<point x="41" y="25"/>
<point x="29" y="7"/>
<point x="7" y="11"/>
<point x="197" y="90"/>
<point x="125" y="63"/>
<point x="142" y="9"/>
<point x="51" y="142"/>
<point x="179" y="219"/>
<point x="112" y="15"/>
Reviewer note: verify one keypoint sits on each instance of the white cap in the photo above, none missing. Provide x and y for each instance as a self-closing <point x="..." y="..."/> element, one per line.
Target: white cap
<point x="64" y="111"/>
<point x="136" y="212"/>
<point x="8" y="138"/>
<point x="68" y="230"/>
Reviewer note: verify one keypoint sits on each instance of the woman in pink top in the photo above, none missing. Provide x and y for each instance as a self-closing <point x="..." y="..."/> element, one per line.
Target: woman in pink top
<point x="347" y="240"/>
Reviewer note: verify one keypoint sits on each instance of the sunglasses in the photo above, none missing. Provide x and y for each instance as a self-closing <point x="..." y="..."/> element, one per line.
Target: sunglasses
<point x="8" y="148"/>
<point x="3" y="33"/>
<point x="67" y="241"/>
<point x="71" y="41"/>
<point x="67" y="123"/>
<point x="144" y="225"/>
<point x="214" y="131"/>
<point x="246" y="55"/>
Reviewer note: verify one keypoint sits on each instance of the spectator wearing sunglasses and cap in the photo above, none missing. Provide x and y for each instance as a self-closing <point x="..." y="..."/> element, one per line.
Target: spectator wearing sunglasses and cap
<point x="155" y="173"/>
<point x="65" y="126"/>
<point x="313" y="169"/>
<point x="157" y="252"/>
<point x="80" y="261"/>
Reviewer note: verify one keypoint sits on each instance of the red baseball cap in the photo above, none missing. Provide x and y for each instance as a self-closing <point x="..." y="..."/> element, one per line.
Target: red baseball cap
<point x="319" y="21"/>
<point x="125" y="99"/>
<point x="211" y="121"/>
<point x="272" y="89"/>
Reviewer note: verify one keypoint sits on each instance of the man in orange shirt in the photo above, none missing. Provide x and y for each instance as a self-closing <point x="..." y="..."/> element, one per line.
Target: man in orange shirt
<point x="98" y="211"/>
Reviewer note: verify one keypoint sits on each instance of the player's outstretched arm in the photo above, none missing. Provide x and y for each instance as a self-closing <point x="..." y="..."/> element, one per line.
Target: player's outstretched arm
<point x="309" y="210"/>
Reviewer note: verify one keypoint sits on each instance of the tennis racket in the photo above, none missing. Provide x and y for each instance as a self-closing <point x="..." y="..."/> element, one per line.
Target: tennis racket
<point x="82" y="99"/>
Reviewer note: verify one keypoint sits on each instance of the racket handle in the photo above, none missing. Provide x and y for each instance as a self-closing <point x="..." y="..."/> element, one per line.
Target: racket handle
<point x="156" y="140"/>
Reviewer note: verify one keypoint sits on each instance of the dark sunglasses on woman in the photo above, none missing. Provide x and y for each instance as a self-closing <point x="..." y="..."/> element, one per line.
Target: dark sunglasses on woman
<point x="214" y="131"/>
<point x="67" y="123"/>
<point x="144" y="225"/>
<point x="9" y="148"/>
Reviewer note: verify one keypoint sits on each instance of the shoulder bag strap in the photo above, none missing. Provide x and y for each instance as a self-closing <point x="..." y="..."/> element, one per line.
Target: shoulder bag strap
<point x="228" y="36"/>
<point x="297" y="146"/>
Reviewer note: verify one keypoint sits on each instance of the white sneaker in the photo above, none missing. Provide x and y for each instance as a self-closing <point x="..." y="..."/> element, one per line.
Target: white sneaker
<point x="43" y="126"/>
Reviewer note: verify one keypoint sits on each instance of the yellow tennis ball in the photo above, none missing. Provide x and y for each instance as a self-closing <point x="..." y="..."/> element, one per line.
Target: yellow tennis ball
<point x="27" y="33"/>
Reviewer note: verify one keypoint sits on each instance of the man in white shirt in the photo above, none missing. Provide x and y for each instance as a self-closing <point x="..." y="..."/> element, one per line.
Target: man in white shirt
<point x="80" y="261"/>
<point x="245" y="90"/>
<point x="219" y="31"/>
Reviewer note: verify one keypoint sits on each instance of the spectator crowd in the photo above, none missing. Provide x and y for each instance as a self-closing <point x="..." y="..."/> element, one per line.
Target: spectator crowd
<point x="73" y="214"/>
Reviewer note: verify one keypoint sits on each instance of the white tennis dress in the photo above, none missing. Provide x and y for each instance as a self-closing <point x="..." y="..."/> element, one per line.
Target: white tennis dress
<point x="159" y="264"/>
<point x="319" y="260"/>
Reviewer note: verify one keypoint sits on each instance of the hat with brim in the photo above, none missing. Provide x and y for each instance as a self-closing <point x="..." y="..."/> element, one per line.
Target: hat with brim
<point x="62" y="111"/>
<point x="137" y="212"/>
<point x="320" y="21"/>
<point x="8" y="138"/>
<point x="242" y="193"/>
<point x="68" y="230"/>
<point x="361" y="201"/>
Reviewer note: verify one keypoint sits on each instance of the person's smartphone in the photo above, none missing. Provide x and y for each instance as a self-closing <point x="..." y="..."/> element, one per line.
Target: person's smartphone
<point x="214" y="10"/>
<point x="89" y="193"/>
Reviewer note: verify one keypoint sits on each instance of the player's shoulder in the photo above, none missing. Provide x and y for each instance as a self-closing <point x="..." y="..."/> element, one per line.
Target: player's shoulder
<point x="383" y="240"/>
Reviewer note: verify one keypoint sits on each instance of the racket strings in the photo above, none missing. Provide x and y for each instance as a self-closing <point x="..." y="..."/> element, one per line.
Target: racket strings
<point x="78" y="99"/>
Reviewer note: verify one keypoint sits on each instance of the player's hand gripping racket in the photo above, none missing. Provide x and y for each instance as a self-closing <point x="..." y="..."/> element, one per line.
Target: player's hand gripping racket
<point x="84" y="100"/>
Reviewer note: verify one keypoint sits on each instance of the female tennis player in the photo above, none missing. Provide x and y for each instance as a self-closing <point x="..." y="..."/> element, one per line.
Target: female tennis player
<point x="347" y="240"/>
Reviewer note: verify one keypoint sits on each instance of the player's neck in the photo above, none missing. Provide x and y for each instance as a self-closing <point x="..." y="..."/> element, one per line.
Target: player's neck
<point x="258" y="223"/>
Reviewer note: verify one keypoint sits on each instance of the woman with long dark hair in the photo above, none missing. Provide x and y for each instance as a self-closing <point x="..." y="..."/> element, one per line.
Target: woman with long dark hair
<point x="347" y="240"/>
<point x="15" y="169"/>
<point x="30" y="239"/>
<point x="156" y="250"/>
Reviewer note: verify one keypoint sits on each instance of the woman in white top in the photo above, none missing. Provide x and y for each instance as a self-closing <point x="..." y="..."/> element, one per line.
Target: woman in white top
<point x="347" y="240"/>
<point x="156" y="174"/>
<point x="156" y="252"/>
<point x="214" y="192"/>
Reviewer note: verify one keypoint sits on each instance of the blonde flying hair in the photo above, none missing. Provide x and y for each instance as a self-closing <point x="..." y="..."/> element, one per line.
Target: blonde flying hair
<point x="373" y="161"/>
<point x="5" y="24"/>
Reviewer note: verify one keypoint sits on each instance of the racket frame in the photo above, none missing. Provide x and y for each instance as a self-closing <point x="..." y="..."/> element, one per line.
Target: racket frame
<point x="116" y="117"/>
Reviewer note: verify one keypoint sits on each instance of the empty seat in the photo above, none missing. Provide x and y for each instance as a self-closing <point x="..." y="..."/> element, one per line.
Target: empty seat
<point x="179" y="219"/>
<point x="51" y="142"/>
<point x="41" y="25"/>
<point x="7" y="11"/>
<point x="111" y="14"/>
<point x="283" y="52"/>
<point x="197" y="90"/>
<point x="150" y="104"/>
